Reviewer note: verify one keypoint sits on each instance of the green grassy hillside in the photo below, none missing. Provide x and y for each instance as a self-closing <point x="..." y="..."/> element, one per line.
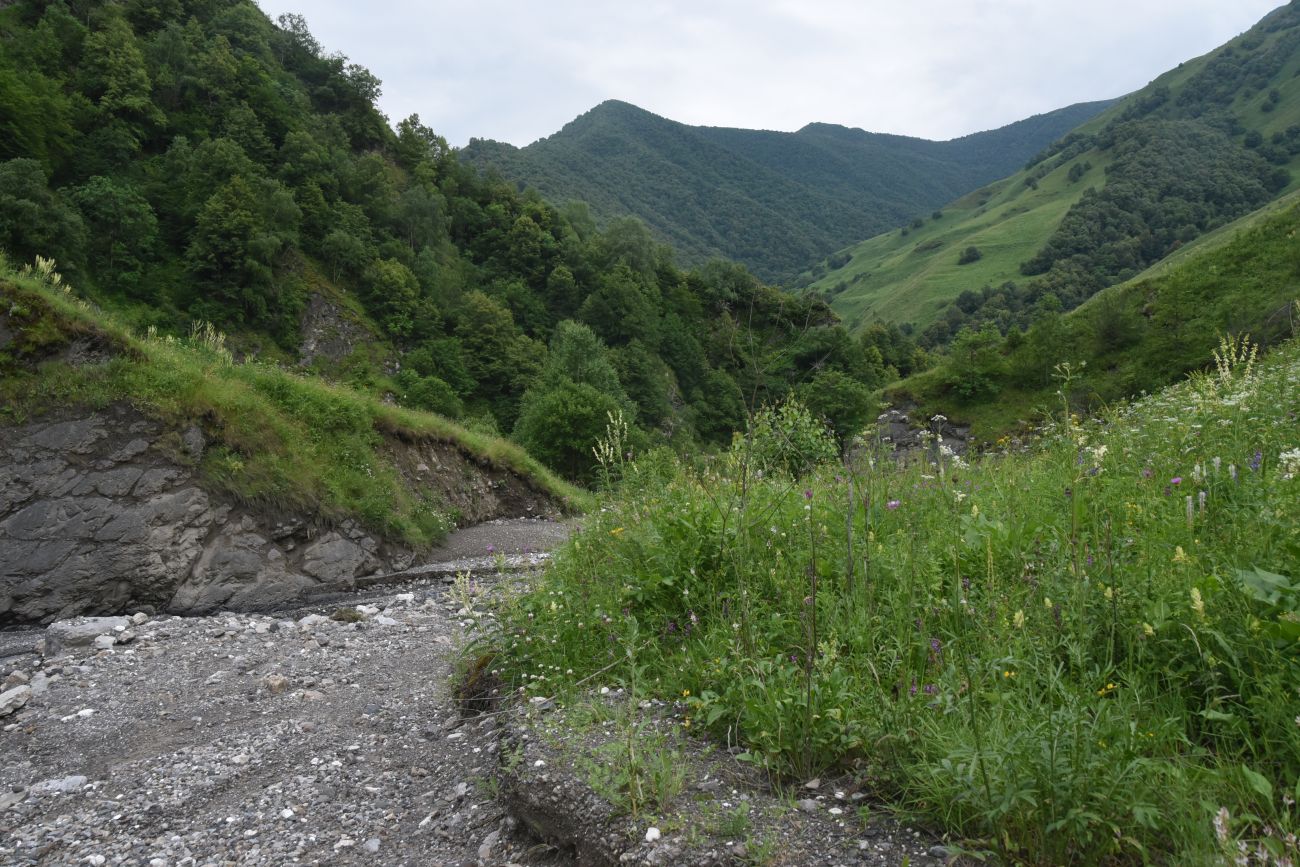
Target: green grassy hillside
<point x="1196" y="149"/>
<point x="771" y="200"/>
<point x="1136" y="336"/>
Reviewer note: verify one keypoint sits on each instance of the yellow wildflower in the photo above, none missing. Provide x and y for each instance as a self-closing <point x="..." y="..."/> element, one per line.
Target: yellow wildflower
<point x="1018" y="619"/>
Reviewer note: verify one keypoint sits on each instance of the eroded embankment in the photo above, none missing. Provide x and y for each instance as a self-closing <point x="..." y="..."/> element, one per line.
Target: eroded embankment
<point x="106" y="511"/>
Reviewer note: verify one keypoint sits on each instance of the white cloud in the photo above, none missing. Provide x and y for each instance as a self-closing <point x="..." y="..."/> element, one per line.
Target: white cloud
<point x="517" y="71"/>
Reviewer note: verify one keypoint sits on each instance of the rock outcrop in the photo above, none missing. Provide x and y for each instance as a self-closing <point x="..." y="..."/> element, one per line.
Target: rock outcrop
<point x="103" y="512"/>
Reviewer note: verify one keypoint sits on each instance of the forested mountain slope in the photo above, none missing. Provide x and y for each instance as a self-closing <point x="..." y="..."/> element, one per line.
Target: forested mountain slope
<point x="189" y="159"/>
<point x="774" y="201"/>
<point x="1199" y="147"/>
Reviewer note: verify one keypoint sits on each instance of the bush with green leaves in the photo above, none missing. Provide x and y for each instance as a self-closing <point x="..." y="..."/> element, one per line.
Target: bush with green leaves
<point x="785" y="438"/>
<point x="1081" y="653"/>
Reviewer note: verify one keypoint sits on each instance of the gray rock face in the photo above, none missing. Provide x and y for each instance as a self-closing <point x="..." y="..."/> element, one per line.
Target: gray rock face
<point x="96" y="518"/>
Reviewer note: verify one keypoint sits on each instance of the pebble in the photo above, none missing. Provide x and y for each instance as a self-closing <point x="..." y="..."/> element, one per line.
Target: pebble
<point x="652" y="834"/>
<point x="808" y="805"/>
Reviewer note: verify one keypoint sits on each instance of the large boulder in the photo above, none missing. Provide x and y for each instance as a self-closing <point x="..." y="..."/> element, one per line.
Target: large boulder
<point x="63" y="636"/>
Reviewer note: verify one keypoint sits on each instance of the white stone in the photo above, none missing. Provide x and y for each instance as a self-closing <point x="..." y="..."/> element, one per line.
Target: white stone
<point x="59" y="787"/>
<point x="652" y="834"/>
<point x="12" y="699"/>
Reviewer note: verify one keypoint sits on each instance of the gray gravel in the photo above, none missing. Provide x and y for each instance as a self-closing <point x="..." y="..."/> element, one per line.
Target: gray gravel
<point x="256" y="739"/>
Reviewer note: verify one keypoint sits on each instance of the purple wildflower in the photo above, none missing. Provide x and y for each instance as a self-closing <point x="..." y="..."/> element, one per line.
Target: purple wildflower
<point x="893" y="504"/>
<point x="491" y="549"/>
<point x="1176" y="480"/>
<point x="807" y="494"/>
<point x="1256" y="461"/>
<point x="1147" y="472"/>
<point x="930" y="689"/>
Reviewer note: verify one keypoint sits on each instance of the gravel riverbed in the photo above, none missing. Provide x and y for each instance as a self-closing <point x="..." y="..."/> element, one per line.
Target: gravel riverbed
<point x="286" y="738"/>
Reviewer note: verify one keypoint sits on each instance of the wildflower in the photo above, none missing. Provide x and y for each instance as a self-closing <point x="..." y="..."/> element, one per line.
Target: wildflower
<point x="1009" y="674"/>
<point x="1109" y="593"/>
<point x="617" y="531"/>
<point x="1198" y="604"/>
<point x="1107" y="689"/>
<point x="1290" y="461"/>
<point x="1256" y="461"/>
<point x="1180" y="556"/>
<point x="1217" y="461"/>
<point x="1190" y="512"/>
<point x="1148" y="630"/>
<point x="1201" y="497"/>
<point x="893" y="504"/>
<point x="1019" y="619"/>
<point x="1221" y="825"/>
<point x="974" y="510"/>
<point x="1176" y="480"/>
<point x="807" y="494"/>
<point x="1232" y="471"/>
<point x="685" y="693"/>
<point x="1047" y="602"/>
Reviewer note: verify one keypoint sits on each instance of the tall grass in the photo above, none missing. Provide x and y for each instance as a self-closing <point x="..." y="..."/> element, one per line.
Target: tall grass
<point x="281" y="440"/>
<point x="1089" y="653"/>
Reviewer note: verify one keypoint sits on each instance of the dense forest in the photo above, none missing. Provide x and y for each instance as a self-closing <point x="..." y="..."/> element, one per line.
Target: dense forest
<point x="774" y="201"/>
<point x="189" y="159"/>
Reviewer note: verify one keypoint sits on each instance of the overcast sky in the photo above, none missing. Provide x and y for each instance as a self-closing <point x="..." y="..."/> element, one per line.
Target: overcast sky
<point x="516" y="71"/>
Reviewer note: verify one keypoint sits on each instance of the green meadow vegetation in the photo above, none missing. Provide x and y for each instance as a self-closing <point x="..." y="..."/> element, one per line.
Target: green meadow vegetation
<point x="1131" y="338"/>
<point x="280" y="440"/>
<point x="1082" y="652"/>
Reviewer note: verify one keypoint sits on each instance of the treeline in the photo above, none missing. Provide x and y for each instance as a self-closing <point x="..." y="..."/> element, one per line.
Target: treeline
<point x="187" y="159"/>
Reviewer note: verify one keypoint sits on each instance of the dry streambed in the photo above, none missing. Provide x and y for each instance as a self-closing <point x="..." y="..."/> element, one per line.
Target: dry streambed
<point x="295" y="737"/>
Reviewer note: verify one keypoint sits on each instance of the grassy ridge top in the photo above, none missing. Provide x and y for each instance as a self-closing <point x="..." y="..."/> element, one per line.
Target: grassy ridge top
<point x="771" y="200"/>
<point x="281" y="441"/>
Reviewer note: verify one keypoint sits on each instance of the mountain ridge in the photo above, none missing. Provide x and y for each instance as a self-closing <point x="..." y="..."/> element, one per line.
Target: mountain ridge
<point x="1235" y="109"/>
<point x="803" y="190"/>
